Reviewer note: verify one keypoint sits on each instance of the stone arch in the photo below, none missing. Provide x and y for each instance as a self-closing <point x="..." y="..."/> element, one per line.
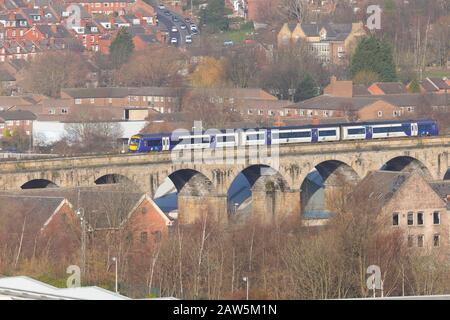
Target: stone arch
<point x="191" y="182"/>
<point x="38" y="184"/>
<point x="185" y="193"/>
<point x="324" y="182"/>
<point x="407" y="164"/>
<point x="251" y="184"/>
<point x="447" y="175"/>
<point x="113" y="178"/>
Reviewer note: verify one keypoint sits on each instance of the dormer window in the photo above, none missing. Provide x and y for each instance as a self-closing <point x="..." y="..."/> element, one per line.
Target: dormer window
<point x="323" y="34"/>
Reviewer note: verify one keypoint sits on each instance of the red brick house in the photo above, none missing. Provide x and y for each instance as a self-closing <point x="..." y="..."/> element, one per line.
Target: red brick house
<point x="146" y="224"/>
<point x="105" y="6"/>
<point x="46" y="225"/>
<point x="16" y="120"/>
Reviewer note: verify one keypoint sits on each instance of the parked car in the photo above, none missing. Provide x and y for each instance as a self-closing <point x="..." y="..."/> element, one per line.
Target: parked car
<point x="167" y="13"/>
<point x="174" y="29"/>
<point x="162" y="7"/>
<point x="173" y="40"/>
<point x="187" y="19"/>
<point x="188" y="39"/>
<point x="228" y="43"/>
<point x="175" y="19"/>
<point x="183" y="27"/>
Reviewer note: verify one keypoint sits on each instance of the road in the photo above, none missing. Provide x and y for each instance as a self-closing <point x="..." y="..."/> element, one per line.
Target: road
<point x="180" y="35"/>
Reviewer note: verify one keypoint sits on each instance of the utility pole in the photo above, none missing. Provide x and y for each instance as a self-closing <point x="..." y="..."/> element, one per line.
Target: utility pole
<point x="248" y="284"/>
<point x="80" y="213"/>
<point x="115" y="261"/>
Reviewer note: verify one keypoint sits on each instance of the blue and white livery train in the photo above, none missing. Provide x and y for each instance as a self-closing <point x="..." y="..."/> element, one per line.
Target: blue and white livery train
<point x="141" y="143"/>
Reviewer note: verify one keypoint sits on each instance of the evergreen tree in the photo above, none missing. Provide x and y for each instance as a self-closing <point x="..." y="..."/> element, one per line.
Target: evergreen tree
<point x="121" y="48"/>
<point x="414" y="86"/>
<point x="307" y="88"/>
<point x="214" y="16"/>
<point x="374" y="55"/>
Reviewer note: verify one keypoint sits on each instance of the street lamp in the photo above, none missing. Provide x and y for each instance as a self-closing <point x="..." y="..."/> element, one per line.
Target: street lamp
<point x="115" y="260"/>
<point x="80" y="213"/>
<point x="248" y="284"/>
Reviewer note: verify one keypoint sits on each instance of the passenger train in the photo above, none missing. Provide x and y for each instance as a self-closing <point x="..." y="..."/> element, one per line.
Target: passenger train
<point x="142" y="143"/>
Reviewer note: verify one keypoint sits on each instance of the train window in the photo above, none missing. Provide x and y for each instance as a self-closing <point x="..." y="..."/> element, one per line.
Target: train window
<point x="152" y="143"/>
<point x="195" y="140"/>
<point x="134" y="141"/>
<point x="226" y="138"/>
<point x="387" y="129"/>
<point x="291" y="135"/>
<point x="357" y="131"/>
<point x="327" y="133"/>
<point x="255" y="136"/>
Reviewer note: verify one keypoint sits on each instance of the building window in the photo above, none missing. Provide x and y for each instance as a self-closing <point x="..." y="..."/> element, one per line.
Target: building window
<point x="410" y="218"/>
<point x="380" y="114"/>
<point x="109" y="100"/>
<point x="420" y="218"/>
<point x="436" y="240"/>
<point x="395" y="219"/>
<point x="410" y="241"/>
<point x="144" y="237"/>
<point x="436" y="217"/>
<point x="420" y="238"/>
<point x="77" y="101"/>
<point x="249" y="111"/>
<point x="64" y="111"/>
<point x="92" y="100"/>
<point x="157" y="235"/>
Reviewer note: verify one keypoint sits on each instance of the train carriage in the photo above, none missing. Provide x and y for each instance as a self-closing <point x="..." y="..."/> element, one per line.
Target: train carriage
<point x="141" y="143"/>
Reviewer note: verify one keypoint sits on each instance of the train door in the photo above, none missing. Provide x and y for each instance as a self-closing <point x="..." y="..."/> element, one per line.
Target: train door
<point x="314" y="135"/>
<point x="414" y="129"/>
<point x="165" y="143"/>
<point x="369" y="132"/>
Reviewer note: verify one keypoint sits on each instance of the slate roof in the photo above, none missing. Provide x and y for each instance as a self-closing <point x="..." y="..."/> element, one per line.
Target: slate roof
<point x="357" y="102"/>
<point x="392" y="87"/>
<point x="379" y="187"/>
<point x="37" y="209"/>
<point x="442" y="188"/>
<point x="105" y="207"/>
<point x="17" y="115"/>
<point x="117" y="92"/>
<point x="360" y="90"/>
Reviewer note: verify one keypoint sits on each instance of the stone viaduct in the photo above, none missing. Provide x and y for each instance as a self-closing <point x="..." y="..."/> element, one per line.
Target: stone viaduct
<point x="203" y="187"/>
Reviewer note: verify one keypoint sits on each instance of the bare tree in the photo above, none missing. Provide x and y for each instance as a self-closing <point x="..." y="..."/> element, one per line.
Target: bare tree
<point x="295" y="9"/>
<point x="50" y="72"/>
